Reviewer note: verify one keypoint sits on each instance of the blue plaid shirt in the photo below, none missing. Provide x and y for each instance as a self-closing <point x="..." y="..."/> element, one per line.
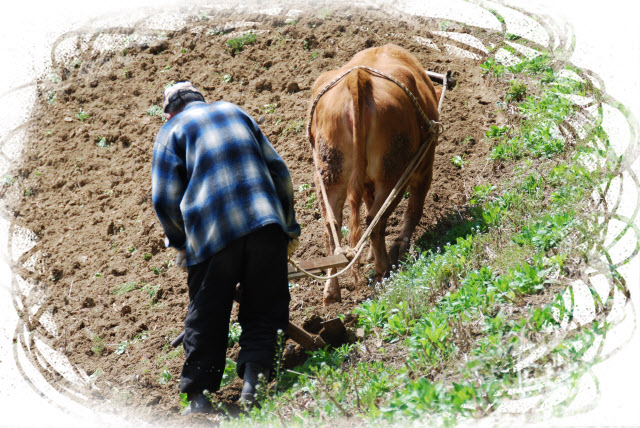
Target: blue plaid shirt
<point x="216" y="178"/>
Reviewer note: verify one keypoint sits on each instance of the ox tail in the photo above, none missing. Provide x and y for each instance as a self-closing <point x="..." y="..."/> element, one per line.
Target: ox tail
<point x="359" y="84"/>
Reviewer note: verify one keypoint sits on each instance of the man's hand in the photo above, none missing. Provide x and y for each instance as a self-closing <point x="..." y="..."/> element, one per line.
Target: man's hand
<point x="293" y="244"/>
<point x="181" y="259"/>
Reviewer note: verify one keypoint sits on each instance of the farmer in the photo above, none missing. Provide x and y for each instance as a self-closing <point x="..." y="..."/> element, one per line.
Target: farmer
<point x="224" y="198"/>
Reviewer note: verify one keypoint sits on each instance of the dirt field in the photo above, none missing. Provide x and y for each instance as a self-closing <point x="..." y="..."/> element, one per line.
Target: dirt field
<point x="84" y="187"/>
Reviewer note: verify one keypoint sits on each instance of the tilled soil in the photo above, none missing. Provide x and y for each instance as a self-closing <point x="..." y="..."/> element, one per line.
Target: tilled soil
<point x="84" y="185"/>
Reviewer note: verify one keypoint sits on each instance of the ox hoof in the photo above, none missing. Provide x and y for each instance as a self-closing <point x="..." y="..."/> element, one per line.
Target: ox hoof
<point x="332" y="299"/>
<point x="398" y="252"/>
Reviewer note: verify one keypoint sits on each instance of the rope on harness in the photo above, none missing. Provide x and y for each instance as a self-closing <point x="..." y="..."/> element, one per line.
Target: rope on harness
<point x="434" y="129"/>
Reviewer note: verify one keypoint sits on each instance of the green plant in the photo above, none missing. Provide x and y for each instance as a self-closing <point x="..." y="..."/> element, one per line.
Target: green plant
<point x="234" y="333"/>
<point x="238" y="44"/>
<point x="125" y="287"/>
<point x="311" y="201"/>
<point x="102" y="142"/>
<point x="497" y="15"/>
<point x="458" y="161"/>
<point x="174" y="353"/>
<point x="151" y="290"/>
<point x="146" y="257"/>
<point x="98" y="345"/>
<point x="8" y="181"/>
<point x="496" y="131"/>
<point x="269" y="108"/>
<point x="517" y="91"/>
<point x="51" y="97"/>
<point x="122" y="347"/>
<point x="184" y="401"/>
<point x="493" y="67"/>
<point x="82" y="115"/>
<point x="230" y="373"/>
<point x="154" y="110"/>
<point x="372" y="314"/>
<point x="227" y="78"/>
<point x="294" y="126"/>
<point x="165" y="377"/>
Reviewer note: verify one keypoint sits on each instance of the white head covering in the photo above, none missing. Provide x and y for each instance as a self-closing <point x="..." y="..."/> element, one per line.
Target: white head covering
<point x="177" y="91"/>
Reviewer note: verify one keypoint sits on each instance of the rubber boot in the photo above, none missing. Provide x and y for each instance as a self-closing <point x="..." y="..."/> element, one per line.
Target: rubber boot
<point x="199" y="404"/>
<point x="252" y="379"/>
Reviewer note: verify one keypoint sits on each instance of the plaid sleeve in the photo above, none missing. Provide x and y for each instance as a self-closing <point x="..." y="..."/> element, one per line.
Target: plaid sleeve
<point x="168" y="184"/>
<point x="282" y="182"/>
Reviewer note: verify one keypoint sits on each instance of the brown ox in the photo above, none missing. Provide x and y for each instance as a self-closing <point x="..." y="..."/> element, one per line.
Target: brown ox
<point x="365" y="130"/>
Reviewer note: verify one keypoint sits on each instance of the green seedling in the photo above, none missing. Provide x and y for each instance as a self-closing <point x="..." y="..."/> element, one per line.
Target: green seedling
<point x="122" y="347"/>
<point x="238" y="44"/>
<point x="98" y="345"/>
<point x="293" y="127"/>
<point x="151" y="290"/>
<point x="458" y="161"/>
<point x="82" y="115"/>
<point x="125" y="287"/>
<point x="165" y="377"/>
<point x="227" y="78"/>
<point x="311" y="201"/>
<point x="102" y="142"/>
<point x="269" y="108"/>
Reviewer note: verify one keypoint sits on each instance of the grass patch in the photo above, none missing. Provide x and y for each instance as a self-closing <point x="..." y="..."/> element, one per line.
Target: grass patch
<point x="126" y="287"/>
<point x="238" y="44"/>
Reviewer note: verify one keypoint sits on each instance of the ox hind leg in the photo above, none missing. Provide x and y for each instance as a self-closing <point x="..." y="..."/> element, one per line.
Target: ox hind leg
<point x="368" y="197"/>
<point x="336" y="196"/>
<point x="382" y="266"/>
<point x="418" y="189"/>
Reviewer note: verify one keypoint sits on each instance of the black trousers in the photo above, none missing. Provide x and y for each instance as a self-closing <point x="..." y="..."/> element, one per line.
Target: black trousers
<point x="258" y="262"/>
